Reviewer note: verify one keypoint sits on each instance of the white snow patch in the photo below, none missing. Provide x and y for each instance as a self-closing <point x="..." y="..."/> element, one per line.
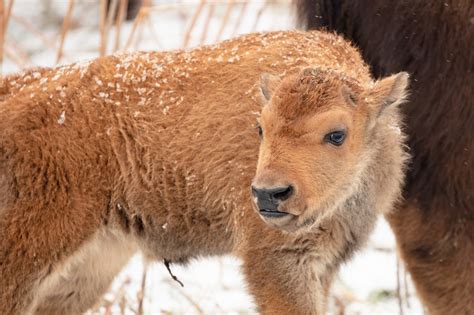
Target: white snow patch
<point x="62" y="118"/>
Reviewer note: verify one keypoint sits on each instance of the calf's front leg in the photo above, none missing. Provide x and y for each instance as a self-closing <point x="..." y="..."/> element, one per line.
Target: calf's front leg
<point x="285" y="273"/>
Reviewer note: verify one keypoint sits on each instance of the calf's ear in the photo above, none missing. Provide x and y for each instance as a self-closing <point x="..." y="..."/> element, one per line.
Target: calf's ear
<point x="268" y="84"/>
<point x="390" y="91"/>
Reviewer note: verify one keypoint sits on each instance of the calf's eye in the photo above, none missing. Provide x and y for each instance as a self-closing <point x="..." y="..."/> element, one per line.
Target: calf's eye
<point x="260" y="131"/>
<point x="336" y="137"/>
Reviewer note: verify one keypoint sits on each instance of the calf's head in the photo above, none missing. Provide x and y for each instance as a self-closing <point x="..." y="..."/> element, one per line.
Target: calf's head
<point x="317" y="129"/>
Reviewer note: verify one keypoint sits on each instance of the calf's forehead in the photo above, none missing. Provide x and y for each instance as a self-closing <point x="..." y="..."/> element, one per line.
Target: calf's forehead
<point x="321" y="121"/>
<point x="294" y="110"/>
<point x="307" y="95"/>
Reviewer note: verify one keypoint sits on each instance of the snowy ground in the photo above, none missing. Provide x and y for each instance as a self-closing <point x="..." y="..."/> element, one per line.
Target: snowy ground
<point x="366" y="285"/>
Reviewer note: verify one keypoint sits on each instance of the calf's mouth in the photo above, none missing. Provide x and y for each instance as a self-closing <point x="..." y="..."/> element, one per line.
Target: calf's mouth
<point x="267" y="213"/>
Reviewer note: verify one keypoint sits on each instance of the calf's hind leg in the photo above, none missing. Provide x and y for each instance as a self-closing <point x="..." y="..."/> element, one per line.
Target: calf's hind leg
<point x="53" y="256"/>
<point x="79" y="282"/>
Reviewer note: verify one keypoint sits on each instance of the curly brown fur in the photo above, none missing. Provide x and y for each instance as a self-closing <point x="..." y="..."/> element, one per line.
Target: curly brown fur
<point x="432" y="40"/>
<point x="157" y="151"/>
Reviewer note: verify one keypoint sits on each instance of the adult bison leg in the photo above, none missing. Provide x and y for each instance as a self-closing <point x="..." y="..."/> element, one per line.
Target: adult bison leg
<point x="438" y="250"/>
<point x="285" y="276"/>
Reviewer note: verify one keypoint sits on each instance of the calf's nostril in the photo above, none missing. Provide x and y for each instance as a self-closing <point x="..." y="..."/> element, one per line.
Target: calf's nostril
<point x="270" y="198"/>
<point x="281" y="193"/>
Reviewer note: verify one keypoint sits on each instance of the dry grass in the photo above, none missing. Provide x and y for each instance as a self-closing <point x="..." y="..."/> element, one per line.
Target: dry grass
<point x="103" y="27"/>
<point x="225" y="20"/>
<point x="5" y="13"/>
<point x="191" y="26"/>
<point x="122" y="11"/>
<point x="111" y="18"/>
<point x="64" y="30"/>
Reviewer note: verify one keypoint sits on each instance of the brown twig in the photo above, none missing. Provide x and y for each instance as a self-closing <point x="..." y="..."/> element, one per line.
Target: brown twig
<point x="382" y="249"/>
<point x="138" y="20"/>
<point x="210" y="13"/>
<point x="167" y="265"/>
<point x="117" y="298"/>
<point x="407" y="292"/>
<point x="225" y="19"/>
<point x="2" y="35"/>
<point x="102" y="27"/>
<point x="399" y="295"/>
<point x="15" y="57"/>
<point x="111" y="14"/>
<point x="141" y="293"/>
<point x="239" y="18"/>
<point x="166" y="6"/>
<point x="33" y="29"/>
<point x="19" y="52"/>
<point x="193" y="303"/>
<point x="8" y="12"/>
<point x="64" y="30"/>
<point x="187" y="34"/>
<point x="140" y="29"/>
<point x="340" y="305"/>
<point x="259" y="15"/>
<point x="122" y="298"/>
<point x="119" y="21"/>
<point x="153" y="31"/>
<point x="5" y="17"/>
<point x="139" y="36"/>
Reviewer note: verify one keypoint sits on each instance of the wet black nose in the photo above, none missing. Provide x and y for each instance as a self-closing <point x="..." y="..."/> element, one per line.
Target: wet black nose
<point x="269" y="198"/>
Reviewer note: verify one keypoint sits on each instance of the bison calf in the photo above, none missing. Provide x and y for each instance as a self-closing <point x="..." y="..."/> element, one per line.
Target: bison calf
<point x="158" y="152"/>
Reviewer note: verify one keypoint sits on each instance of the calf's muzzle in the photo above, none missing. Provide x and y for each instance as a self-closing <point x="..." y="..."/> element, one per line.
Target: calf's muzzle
<point x="268" y="200"/>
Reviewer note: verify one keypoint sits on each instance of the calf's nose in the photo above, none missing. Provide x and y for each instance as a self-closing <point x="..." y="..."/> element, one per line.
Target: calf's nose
<point x="270" y="198"/>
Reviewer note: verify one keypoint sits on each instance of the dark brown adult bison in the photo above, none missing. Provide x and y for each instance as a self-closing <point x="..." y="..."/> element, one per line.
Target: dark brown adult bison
<point x="434" y="41"/>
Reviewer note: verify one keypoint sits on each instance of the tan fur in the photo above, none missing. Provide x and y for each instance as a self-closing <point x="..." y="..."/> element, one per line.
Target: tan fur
<point x="158" y="150"/>
<point x="83" y="276"/>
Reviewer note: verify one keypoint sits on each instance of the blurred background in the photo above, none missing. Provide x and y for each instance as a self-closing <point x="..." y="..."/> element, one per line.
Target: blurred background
<point x="49" y="32"/>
